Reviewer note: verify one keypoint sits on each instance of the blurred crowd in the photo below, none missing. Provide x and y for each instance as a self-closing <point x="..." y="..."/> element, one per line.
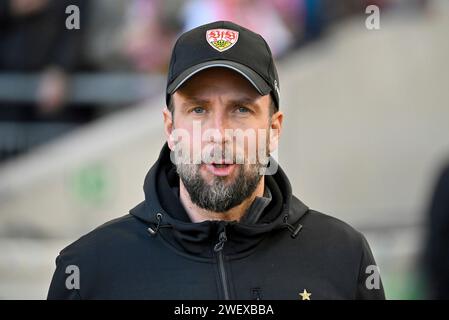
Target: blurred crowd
<point x="133" y="36"/>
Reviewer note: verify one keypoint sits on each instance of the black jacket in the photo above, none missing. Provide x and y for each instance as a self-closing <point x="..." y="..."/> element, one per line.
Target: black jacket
<point x="156" y="252"/>
<point x="436" y="255"/>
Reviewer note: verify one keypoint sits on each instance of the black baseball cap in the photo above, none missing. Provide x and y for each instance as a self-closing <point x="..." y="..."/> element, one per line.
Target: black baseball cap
<point x="223" y="44"/>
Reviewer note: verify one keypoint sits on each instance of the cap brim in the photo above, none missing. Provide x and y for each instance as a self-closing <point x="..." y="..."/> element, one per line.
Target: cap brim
<point x="253" y="77"/>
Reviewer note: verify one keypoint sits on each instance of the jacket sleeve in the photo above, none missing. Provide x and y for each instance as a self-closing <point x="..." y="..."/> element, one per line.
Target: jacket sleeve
<point x="369" y="284"/>
<point x="61" y="283"/>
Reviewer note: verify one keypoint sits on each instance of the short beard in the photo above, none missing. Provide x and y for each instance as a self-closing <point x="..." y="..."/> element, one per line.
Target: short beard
<point x="219" y="196"/>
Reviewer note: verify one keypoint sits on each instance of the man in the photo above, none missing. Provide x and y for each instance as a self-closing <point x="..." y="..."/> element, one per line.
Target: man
<point x="219" y="220"/>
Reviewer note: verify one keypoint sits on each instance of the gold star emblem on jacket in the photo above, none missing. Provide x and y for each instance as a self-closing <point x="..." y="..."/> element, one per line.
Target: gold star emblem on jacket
<point x="305" y="295"/>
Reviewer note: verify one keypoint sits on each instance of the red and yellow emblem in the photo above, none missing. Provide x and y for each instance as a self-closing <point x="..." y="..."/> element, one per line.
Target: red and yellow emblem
<point x="222" y="39"/>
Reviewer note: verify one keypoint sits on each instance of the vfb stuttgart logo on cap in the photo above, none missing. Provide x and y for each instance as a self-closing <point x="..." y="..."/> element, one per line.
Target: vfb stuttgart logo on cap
<point x="222" y="39"/>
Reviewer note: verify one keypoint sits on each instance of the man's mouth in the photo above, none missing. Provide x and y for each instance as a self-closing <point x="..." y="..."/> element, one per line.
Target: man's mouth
<point x="220" y="169"/>
<point x="217" y="165"/>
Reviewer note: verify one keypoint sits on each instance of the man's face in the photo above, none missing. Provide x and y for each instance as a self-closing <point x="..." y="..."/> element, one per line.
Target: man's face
<point x="222" y="131"/>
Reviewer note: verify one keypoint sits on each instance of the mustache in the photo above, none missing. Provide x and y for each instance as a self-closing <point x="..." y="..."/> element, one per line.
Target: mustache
<point x="216" y="154"/>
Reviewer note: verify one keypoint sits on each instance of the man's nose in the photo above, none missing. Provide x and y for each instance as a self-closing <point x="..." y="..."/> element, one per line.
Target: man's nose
<point x="220" y="126"/>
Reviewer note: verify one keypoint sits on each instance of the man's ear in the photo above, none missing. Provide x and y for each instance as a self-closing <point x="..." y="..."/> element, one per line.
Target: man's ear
<point x="275" y="130"/>
<point x="168" y="127"/>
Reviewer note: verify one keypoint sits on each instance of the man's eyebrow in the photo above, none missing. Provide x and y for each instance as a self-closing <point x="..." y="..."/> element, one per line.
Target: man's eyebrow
<point x="244" y="101"/>
<point x="189" y="101"/>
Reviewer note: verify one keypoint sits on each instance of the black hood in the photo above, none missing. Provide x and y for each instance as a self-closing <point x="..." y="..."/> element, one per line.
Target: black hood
<point x="164" y="214"/>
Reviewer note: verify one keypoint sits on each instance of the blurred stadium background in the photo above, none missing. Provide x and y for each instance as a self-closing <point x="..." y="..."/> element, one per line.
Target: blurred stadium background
<point x="366" y="129"/>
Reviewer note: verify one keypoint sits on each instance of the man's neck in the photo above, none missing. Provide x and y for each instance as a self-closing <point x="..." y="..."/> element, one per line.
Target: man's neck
<point x="198" y="214"/>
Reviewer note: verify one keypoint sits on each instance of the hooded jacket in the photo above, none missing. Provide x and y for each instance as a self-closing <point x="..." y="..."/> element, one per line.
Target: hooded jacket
<point x="156" y="252"/>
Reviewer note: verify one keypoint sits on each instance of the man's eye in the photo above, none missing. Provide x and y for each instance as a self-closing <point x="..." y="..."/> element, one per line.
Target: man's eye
<point x="198" y="110"/>
<point x="242" y="109"/>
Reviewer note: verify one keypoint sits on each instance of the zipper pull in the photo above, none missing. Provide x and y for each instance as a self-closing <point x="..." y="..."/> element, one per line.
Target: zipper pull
<point x="221" y="241"/>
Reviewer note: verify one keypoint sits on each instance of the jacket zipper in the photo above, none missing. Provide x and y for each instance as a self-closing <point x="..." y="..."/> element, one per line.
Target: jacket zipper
<point x="220" y="256"/>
